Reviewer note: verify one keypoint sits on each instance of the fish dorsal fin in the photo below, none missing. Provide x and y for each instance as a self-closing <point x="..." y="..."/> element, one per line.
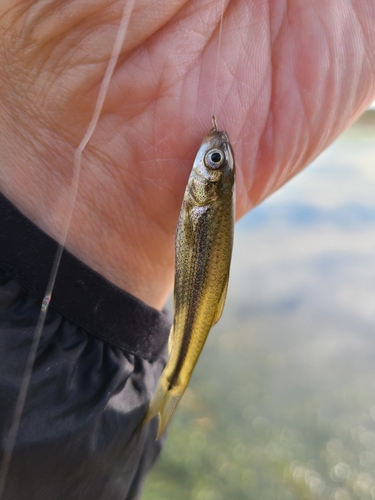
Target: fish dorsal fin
<point x="220" y="305"/>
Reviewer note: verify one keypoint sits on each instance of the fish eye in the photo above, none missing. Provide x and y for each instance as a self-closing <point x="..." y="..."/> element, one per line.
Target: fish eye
<point x="214" y="158"/>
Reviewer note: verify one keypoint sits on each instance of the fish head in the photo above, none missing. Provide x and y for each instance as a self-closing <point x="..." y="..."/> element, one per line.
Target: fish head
<point x="214" y="160"/>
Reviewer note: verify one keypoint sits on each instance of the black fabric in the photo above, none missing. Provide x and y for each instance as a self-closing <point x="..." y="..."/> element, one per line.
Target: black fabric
<point x="80" y="435"/>
<point x="80" y="293"/>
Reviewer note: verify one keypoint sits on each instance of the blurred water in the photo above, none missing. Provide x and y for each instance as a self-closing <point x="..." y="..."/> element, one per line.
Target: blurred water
<point x="282" y="403"/>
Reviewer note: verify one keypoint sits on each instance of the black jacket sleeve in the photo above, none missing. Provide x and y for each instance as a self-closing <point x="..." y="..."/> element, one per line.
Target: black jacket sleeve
<point x="98" y="361"/>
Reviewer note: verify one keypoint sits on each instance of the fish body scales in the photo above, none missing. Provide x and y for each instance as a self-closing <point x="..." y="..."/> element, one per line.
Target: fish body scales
<point x="204" y="240"/>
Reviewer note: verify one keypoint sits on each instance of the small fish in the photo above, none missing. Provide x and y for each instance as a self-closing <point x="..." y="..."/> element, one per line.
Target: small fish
<point x="204" y="240"/>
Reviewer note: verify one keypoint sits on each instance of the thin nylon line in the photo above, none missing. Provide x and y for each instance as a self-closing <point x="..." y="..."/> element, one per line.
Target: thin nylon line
<point x="12" y="434"/>
<point x="217" y="56"/>
<point x="16" y="419"/>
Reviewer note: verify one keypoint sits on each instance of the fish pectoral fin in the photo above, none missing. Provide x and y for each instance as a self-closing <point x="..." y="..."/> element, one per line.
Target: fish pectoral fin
<point x="170" y="340"/>
<point x="220" y="305"/>
<point x="164" y="404"/>
<point x="186" y="223"/>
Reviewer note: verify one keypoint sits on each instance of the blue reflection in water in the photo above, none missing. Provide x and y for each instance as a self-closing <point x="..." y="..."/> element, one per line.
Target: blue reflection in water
<point x="345" y="216"/>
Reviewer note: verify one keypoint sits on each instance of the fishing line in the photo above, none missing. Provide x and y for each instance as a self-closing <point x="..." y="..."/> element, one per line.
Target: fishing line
<point x="17" y="414"/>
<point x="217" y="56"/>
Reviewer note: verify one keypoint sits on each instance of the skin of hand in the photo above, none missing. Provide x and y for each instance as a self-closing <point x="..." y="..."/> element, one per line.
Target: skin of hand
<point x="290" y="76"/>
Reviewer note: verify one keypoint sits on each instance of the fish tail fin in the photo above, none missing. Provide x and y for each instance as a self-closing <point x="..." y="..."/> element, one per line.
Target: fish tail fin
<point x="163" y="403"/>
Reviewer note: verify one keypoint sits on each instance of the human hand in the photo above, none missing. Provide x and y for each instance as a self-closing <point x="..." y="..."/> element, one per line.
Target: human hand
<point x="290" y="77"/>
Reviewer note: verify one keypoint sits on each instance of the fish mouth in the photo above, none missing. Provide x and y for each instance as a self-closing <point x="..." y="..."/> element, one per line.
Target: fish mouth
<point x="216" y="137"/>
<point x="215" y="132"/>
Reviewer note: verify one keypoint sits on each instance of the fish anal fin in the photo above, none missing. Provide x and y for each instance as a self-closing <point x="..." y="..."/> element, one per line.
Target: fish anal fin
<point x="170" y="340"/>
<point x="164" y="404"/>
<point x="220" y="305"/>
